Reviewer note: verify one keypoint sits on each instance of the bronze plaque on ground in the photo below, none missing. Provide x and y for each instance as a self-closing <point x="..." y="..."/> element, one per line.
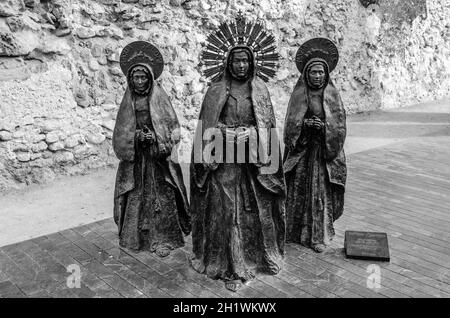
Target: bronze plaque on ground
<point x="366" y="245"/>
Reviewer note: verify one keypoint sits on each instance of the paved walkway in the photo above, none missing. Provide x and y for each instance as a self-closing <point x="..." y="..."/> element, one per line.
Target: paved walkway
<point x="399" y="183"/>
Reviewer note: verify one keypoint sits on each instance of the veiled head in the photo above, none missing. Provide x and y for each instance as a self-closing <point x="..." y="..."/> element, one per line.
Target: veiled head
<point x="316" y="73"/>
<point x="140" y="79"/>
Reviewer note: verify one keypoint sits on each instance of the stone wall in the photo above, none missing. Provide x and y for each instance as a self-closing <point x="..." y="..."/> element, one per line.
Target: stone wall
<point x="60" y="81"/>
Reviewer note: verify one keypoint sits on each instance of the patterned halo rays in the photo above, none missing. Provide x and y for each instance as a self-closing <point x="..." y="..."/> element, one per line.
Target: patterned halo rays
<point x="240" y="33"/>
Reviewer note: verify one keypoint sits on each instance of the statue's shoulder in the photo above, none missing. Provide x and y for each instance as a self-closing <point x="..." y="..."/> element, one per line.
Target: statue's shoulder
<point x="258" y="85"/>
<point x="158" y="91"/>
<point x="217" y="85"/>
<point x="298" y="91"/>
<point x="216" y="89"/>
<point x="257" y="81"/>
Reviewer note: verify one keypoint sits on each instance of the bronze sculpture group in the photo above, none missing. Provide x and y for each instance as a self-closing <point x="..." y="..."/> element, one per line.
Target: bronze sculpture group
<point x="246" y="200"/>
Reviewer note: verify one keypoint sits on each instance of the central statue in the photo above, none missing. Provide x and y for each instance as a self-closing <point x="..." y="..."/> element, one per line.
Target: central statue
<point x="237" y="202"/>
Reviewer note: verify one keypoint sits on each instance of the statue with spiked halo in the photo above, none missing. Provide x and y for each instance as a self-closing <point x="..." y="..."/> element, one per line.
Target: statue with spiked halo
<point x="237" y="188"/>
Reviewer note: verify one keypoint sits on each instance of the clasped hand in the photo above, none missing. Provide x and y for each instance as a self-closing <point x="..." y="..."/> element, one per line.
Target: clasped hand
<point x="145" y="135"/>
<point x="314" y="122"/>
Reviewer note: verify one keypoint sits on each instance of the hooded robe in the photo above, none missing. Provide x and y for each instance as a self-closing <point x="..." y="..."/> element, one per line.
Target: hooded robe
<point x="238" y="218"/>
<point x="150" y="202"/>
<point x="314" y="163"/>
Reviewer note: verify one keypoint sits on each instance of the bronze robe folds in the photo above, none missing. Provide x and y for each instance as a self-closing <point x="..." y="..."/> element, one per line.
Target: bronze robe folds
<point x="238" y="217"/>
<point x="150" y="201"/>
<point x="314" y="164"/>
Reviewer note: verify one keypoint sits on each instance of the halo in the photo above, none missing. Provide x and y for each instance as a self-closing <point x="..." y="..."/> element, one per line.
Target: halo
<point x="240" y="33"/>
<point x="141" y="52"/>
<point x="317" y="47"/>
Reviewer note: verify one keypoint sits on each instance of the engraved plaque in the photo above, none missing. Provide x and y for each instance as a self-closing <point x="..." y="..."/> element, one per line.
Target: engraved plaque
<point x="366" y="245"/>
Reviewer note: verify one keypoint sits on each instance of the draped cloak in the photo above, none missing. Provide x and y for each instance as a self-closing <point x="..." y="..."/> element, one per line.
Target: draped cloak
<point x="166" y="128"/>
<point x="331" y="153"/>
<point x="335" y="130"/>
<point x="207" y="205"/>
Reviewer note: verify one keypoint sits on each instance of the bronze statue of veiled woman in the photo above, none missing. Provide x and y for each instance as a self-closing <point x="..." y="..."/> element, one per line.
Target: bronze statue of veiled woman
<point x="238" y="218"/>
<point x="150" y="201"/>
<point x="314" y="159"/>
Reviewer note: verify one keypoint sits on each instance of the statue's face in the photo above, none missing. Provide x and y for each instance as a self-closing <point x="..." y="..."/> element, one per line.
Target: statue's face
<point x="240" y="65"/>
<point x="316" y="76"/>
<point x="140" y="80"/>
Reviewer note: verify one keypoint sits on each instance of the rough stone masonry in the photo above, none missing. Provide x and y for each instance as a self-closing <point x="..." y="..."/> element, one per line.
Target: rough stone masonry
<point x="60" y="82"/>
